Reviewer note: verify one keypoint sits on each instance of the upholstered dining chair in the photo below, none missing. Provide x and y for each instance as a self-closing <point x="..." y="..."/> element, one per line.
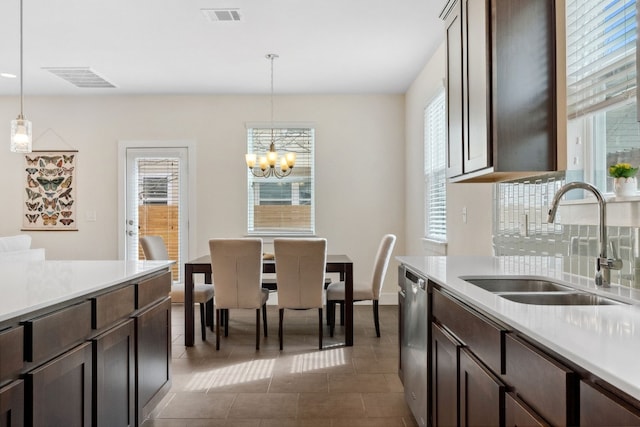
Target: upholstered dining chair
<point x="363" y="291"/>
<point x="236" y="265"/>
<point x="300" y="270"/>
<point x="154" y="248"/>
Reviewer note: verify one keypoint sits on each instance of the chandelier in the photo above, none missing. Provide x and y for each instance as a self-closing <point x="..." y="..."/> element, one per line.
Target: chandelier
<point x="20" y="127"/>
<point x="268" y="164"/>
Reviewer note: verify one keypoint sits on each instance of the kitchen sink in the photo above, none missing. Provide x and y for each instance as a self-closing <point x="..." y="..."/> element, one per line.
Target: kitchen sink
<point x="517" y="284"/>
<point x="567" y="298"/>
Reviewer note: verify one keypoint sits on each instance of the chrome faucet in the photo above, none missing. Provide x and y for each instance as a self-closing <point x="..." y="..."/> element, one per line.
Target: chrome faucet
<point x="604" y="264"/>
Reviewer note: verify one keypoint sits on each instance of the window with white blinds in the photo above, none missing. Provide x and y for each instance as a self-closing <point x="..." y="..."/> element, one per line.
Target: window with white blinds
<point x="601" y="60"/>
<point x="435" y="144"/>
<point x="283" y="206"/>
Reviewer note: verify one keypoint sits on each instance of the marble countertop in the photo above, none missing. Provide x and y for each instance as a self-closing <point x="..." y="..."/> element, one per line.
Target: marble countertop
<point x="30" y="286"/>
<point x="604" y="340"/>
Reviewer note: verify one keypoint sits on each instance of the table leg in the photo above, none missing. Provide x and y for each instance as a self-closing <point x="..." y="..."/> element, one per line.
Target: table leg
<point x="188" y="305"/>
<point x="348" y="301"/>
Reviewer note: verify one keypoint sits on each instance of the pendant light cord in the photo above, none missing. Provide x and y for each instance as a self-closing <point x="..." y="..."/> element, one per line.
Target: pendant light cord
<point x="21" y="78"/>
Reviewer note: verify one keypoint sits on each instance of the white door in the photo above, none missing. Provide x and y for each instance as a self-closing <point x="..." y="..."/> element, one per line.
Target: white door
<point x="156" y="201"/>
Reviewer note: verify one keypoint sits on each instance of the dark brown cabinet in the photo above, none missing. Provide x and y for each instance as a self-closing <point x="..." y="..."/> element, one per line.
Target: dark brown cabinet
<point x="114" y="374"/>
<point x="518" y="414"/>
<point x="445" y="359"/>
<point x="12" y="404"/>
<point x="599" y="407"/>
<point x="502" y="89"/>
<point x="59" y="392"/>
<point x="481" y="393"/>
<point x="153" y="356"/>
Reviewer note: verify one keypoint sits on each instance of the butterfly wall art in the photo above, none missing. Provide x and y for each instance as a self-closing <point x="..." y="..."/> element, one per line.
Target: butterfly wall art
<point x="50" y="190"/>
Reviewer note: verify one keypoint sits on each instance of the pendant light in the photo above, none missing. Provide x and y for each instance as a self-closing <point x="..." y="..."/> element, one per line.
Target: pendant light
<point x="21" y="127"/>
<point x="267" y="163"/>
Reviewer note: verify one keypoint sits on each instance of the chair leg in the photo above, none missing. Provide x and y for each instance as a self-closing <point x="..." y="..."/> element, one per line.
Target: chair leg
<point x="341" y="313"/>
<point x="280" y="331"/>
<point x="226" y="322"/>
<point x="257" y="329"/>
<point x="218" y="329"/>
<point x="328" y="314"/>
<point x="209" y="310"/>
<point x="376" y="320"/>
<point x="264" y="318"/>
<point x="331" y="313"/>
<point x="203" y="323"/>
<point x="320" y="328"/>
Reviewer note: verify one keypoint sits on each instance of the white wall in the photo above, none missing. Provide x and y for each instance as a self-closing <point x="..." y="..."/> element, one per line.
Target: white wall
<point x="470" y="238"/>
<point x="359" y="165"/>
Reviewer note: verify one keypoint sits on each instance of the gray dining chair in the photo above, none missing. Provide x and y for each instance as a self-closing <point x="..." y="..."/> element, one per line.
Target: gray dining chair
<point x="362" y="291"/>
<point x="300" y="270"/>
<point x="154" y="248"/>
<point x="236" y="266"/>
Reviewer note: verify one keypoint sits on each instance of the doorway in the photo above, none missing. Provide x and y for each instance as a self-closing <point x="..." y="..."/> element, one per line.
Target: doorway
<point x="155" y="199"/>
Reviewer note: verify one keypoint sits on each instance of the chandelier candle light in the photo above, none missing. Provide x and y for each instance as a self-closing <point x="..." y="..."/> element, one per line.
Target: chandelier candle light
<point x="20" y="127"/>
<point x="267" y="163"/>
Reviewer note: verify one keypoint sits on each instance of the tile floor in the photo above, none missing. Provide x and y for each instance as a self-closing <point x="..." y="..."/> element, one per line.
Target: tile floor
<point x="300" y="386"/>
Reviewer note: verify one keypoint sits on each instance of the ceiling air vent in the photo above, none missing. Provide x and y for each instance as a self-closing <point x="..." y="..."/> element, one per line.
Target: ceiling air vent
<point x="222" y="15"/>
<point x="83" y="77"/>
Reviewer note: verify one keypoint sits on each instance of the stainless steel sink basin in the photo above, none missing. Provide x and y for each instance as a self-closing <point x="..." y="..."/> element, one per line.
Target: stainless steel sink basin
<point x="559" y="299"/>
<point x="517" y="284"/>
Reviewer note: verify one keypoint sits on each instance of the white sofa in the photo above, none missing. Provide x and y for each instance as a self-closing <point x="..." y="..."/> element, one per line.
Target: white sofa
<point x="18" y="248"/>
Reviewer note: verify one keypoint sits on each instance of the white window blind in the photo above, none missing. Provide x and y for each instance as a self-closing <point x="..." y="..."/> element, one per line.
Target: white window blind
<point x="157" y="210"/>
<point x="435" y="168"/>
<point x="601" y="46"/>
<point x="282" y="206"/>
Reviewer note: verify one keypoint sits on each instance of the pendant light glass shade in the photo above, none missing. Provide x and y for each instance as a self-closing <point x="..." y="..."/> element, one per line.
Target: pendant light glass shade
<point x="20" y="135"/>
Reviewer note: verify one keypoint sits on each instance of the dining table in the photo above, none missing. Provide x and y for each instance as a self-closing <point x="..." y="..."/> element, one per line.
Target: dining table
<point x="341" y="264"/>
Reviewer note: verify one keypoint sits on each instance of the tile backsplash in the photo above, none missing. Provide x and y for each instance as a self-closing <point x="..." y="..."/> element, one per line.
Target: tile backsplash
<point x="520" y="228"/>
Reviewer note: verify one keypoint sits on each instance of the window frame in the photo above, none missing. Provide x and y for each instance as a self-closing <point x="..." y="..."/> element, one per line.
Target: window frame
<point x="434" y="240"/>
<point x="305" y="159"/>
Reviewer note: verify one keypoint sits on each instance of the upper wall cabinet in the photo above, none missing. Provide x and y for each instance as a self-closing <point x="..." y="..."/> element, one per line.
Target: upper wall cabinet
<point x="505" y="88"/>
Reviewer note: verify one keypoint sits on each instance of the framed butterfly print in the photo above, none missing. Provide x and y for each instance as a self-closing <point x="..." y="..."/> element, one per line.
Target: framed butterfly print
<point x="50" y="191"/>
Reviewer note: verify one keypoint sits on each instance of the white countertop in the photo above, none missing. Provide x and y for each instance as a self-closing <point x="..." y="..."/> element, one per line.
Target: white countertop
<point x="30" y="286"/>
<point x="604" y="340"/>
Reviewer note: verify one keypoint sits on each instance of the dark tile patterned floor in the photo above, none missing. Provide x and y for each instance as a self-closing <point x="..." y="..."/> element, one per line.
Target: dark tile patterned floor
<point x="299" y="386"/>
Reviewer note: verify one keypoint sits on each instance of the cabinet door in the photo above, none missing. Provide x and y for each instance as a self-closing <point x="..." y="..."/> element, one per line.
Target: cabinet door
<point x="59" y="392"/>
<point x="476" y="88"/>
<point x="453" y="35"/>
<point x="12" y="404"/>
<point x="599" y="407"/>
<point x="518" y="414"/>
<point x="153" y="362"/>
<point x="114" y="377"/>
<point x="444" y="378"/>
<point x="481" y="394"/>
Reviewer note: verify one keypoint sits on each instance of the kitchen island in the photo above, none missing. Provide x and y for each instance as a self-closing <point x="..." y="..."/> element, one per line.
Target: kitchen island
<point x="590" y="351"/>
<point x="83" y="342"/>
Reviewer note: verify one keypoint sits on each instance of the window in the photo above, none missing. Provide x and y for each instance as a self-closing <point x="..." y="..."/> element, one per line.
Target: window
<point x="282" y="206"/>
<point x="435" y="144"/>
<point x="601" y="87"/>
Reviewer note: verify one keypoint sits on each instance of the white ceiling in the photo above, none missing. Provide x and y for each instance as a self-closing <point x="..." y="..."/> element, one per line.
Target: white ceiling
<point x="169" y="46"/>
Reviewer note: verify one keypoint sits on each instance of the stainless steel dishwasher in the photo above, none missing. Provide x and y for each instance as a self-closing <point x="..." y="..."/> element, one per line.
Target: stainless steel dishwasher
<point x="414" y="345"/>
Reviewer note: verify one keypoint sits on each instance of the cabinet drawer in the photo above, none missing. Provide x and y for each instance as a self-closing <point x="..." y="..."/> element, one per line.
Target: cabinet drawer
<point x="153" y="289"/>
<point x="484" y="338"/>
<point x="51" y="334"/>
<point x="598" y="407"/>
<point x="540" y="381"/>
<point x="108" y="308"/>
<point x="12" y="404"/>
<point x="11" y="352"/>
